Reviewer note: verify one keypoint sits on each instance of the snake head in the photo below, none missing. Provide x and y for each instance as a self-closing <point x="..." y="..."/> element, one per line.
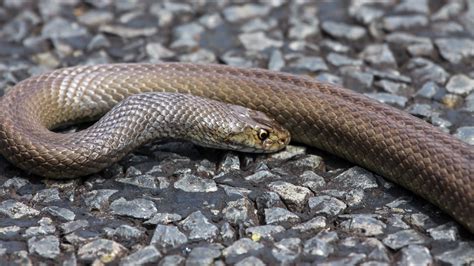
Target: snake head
<point x="256" y="132"/>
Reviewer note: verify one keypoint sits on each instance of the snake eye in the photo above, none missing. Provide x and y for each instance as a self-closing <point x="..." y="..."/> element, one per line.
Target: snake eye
<point x="263" y="134"/>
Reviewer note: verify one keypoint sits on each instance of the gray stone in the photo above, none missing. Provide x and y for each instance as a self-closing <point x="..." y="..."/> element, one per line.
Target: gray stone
<point x="378" y="54"/>
<point x="391" y="87"/>
<point x="211" y="21"/>
<point x="72" y="226"/>
<point x="61" y="28"/>
<point x="352" y="259"/>
<point x="250" y="261"/>
<point x="469" y="103"/>
<point x="172" y="260"/>
<point x="137" y="208"/>
<point x="47" y="195"/>
<point x="335" y="46"/>
<point x="356" y="77"/>
<point x="424" y="70"/>
<point x="142" y="181"/>
<point x="168" y="236"/>
<point x="280" y="216"/>
<point x="460" y="84"/>
<point x="243" y="12"/>
<point x="240" y="211"/>
<point x="289" y="152"/>
<point x="62" y="213"/>
<point x="356" y="177"/>
<point x="422" y="110"/>
<point x="204" y="255"/>
<point x="341" y="60"/>
<point x="193" y="183"/>
<point x="364" y="225"/>
<point x="97" y="199"/>
<point x="312" y="180"/>
<point x="241" y="246"/>
<point x="128" y="32"/>
<point x="227" y="233"/>
<point x="401" y="22"/>
<point x="102" y="249"/>
<point x="447" y="28"/>
<point x="264" y="231"/>
<point x="397" y="221"/>
<point x="420" y="6"/>
<point x="17" y="210"/>
<point x="258" y="41"/>
<point x="314" y="225"/>
<point x="403" y="238"/>
<point x="235" y="58"/>
<point x="199" y="227"/>
<point x="447" y="231"/>
<point x="364" y="13"/>
<point x="186" y="36"/>
<point x="415" y="255"/>
<point x="390" y="74"/>
<point x="455" y="49"/>
<point x="300" y="30"/>
<point x="320" y="245"/>
<point x="99" y="41"/>
<point x="428" y="90"/>
<point x="258" y="25"/>
<point x="230" y="162"/>
<point x="309" y="161"/>
<point x="47" y="247"/>
<point x="16" y="183"/>
<point x="388" y="98"/>
<point x="287" y="250"/>
<point x="95" y="17"/>
<point x="465" y="134"/>
<point x="330" y="78"/>
<point x="199" y="56"/>
<point x="447" y="11"/>
<point x="260" y="176"/>
<point x="326" y="205"/>
<point x="148" y="254"/>
<point x="295" y="197"/>
<point x="463" y="254"/>
<point x="45" y="228"/>
<point x="343" y="30"/>
<point x="125" y="232"/>
<point x="164" y="218"/>
<point x="276" y="61"/>
<point x="10" y="232"/>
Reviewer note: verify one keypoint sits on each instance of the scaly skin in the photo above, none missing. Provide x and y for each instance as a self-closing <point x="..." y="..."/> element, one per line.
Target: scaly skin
<point x="394" y="144"/>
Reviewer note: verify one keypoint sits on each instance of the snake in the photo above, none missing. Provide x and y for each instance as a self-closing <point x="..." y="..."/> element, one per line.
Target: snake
<point x="390" y="142"/>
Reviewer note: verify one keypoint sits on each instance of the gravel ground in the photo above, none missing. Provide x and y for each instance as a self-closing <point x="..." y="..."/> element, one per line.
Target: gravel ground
<point x="175" y="203"/>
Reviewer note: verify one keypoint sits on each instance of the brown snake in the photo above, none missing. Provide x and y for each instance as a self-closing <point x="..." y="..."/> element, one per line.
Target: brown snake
<point x="393" y="144"/>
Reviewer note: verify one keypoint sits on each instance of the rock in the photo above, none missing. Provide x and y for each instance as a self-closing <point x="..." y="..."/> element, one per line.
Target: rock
<point x="100" y="249"/>
<point x="46" y="227"/>
<point x="97" y="199"/>
<point x="227" y="233"/>
<point x="125" y="233"/>
<point x="320" y="245"/>
<point x="95" y="17"/>
<point x="330" y="78"/>
<point x="62" y="213"/>
<point x="448" y="232"/>
<point x="199" y="227"/>
<point x="18" y="182"/>
<point x="340" y="60"/>
<point x="61" y="28"/>
<point x="447" y="11"/>
<point x="241" y="246"/>
<point x="192" y="183"/>
<point x="47" y="247"/>
<point x="455" y="49"/>
<point x="171" y="260"/>
<point x="424" y="70"/>
<point x="295" y="197"/>
<point x="200" y="56"/>
<point x="335" y="46"/>
<point x="137" y="208"/>
<point x="280" y="216"/>
<point x="312" y="180"/>
<point x="463" y="254"/>
<point x="16" y="210"/>
<point x="289" y="152"/>
<point x="357" y="78"/>
<point x="238" y="13"/>
<point x="326" y="205"/>
<point x="388" y="98"/>
<point x="164" y="218"/>
<point x="311" y="63"/>
<point x="465" y="134"/>
<point x="343" y="30"/>
<point x="229" y="163"/>
<point x="287" y="250"/>
<point x="276" y="61"/>
<point x="379" y="55"/>
<point x="128" y="32"/>
<point x="401" y="22"/>
<point x="211" y="21"/>
<point x="240" y="211"/>
<point x="365" y="13"/>
<point x="47" y="195"/>
<point x="314" y="225"/>
<point x="250" y="261"/>
<point x="356" y="177"/>
<point x="264" y="231"/>
<point x="72" y="226"/>
<point x="204" y="255"/>
<point x="421" y="6"/>
<point x="148" y="254"/>
<point x="460" y="84"/>
<point x="13" y="231"/>
<point x="364" y="225"/>
<point x="403" y="238"/>
<point x="258" y="41"/>
<point x="428" y="90"/>
<point x="168" y="236"/>
<point x="260" y="176"/>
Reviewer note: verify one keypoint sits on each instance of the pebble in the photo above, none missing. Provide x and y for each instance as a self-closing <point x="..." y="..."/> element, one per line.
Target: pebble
<point x="199" y="227"/>
<point x="447" y="11"/>
<point x="448" y="232"/>
<point x="238" y="13"/>
<point x="340" y="60"/>
<point x="72" y="226"/>
<point x="137" y="208"/>
<point x="343" y="30"/>
<point x="258" y="41"/>
<point x="240" y="211"/>
<point x="356" y="177"/>
<point x="378" y="54"/>
<point x="276" y="61"/>
<point x="172" y="260"/>
<point x="148" y="254"/>
<point x="364" y="13"/>
<point x="326" y="205"/>
<point x="204" y="255"/>
<point x="463" y="254"/>
<point x="388" y="98"/>
<point x="428" y="90"/>
<point x="364" y="225"/>
<point x="465" y="134"/>
<point x="164" y="218"/>
<point x="421" y="6"/>
<point x="95" y="18"/>
<point x="101" y="249"/>
<point x="311" y="63"/>
<point x="211" y="21"/>
<point x="47" y="246"/>
<point x="97" y="199"/>
<point x="321" y="244"/>
<point x="287" y="250"/>
<point x="403" y="22"/>
<point x="17" y="183"/>
<point x="460" y="84"/>
<point x="127" y="32"/>
<point x="264" y="231"/>
<point x="403" y="238"/>
<point x="16" y="210"/>
<point x="295" y="197"/>
<point x="330" y="78"/>
<point x="250" y="261"/>
<point x="47" y="195"/>
<point x="242" y="246"/>
<point x="455" y="49"/>
<point x="357" y="78"/>
<point x="193" y="183"/>
<point x="125" y="232"/>
<point x="61" y="28"/>
<point x="424" y="70"/>
<point x="168" y="236"/>
<point x="63" y="214"/>
<point x="280" y="216"/>
<point x="312" y="180"/>
<point x="314" y="225"/>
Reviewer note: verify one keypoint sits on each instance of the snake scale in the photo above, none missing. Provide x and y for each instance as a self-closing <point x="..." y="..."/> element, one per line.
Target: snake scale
<point x="388" y="141"/>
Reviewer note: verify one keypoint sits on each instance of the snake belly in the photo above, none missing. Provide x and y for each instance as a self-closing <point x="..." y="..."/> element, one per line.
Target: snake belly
<point x="385" y="140"/>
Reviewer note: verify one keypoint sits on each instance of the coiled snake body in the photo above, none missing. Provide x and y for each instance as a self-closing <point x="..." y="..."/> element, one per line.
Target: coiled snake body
<point x="388" y="141"/>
